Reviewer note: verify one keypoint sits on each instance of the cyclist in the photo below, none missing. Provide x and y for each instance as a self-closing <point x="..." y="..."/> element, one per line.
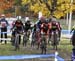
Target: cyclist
<point x="55" y="28"/>
<point x="59" y="29"/>
<point x="44" y="35"/>
<point x="27" y="27"/>
<point x="33" y="35"/>
<point x="18" y="27"/>
<point x="54" y="24"/>
<point x="73" y="42"/>
<point x="73" y="36"/>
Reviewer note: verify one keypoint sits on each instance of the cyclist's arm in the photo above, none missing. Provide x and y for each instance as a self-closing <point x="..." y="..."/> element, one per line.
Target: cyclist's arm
<point x="7" y="23"/>
<point x="72" y="30"/>
<point x="13" y="26"/>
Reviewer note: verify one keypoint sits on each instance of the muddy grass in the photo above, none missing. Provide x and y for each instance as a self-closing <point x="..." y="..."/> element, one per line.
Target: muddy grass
<point x="64" y="50"/>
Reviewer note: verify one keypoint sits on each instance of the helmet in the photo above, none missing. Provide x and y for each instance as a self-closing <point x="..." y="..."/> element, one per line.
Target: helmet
<point x="42" y="18"/>
<point x="27" y="19"/>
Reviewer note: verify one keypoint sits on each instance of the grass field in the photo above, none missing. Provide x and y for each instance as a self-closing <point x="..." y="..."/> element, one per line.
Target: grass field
<point x="64" y="49"/>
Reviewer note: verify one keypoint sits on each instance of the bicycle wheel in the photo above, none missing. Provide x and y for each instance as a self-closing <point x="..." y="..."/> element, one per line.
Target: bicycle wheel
<point x="12" y="41"/>
<point x="43" y="44"/>
<point x="25" y="38"/>
<point x="17" y="42"/>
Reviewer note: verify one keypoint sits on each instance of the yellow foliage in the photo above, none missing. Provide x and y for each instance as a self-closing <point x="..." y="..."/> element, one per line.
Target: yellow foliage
<point x="58" y="14"/>
<point x="64" y="7"/>
<point x="67" y="5"/>
<point x="73" y="7"/>
<point x="25" y="1"/>
<point x="4" y="5"/>
<point x="67" y="1"/>
<point x="60" y="1"/>
<point x="49" y="2"/>
<point x="35" y="8"/>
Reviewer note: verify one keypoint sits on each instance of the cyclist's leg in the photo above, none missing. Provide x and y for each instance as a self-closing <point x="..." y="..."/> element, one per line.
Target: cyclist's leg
<point x="5" y="37"/>
<point x="23" y="40"/>
<point x="59" y="34"/>
<point x="5" y="30"/>
<point x="19" y="39"/>
<point x="45" y="44"/>
<point x="55" y="39"/>
<point x="49" y="37"/>
<point x="42" y="50"/>
<point x="2" y="30"/>
<point x="33" y="39"/>
<point x="1" y="37"/>
<point x="45" y="50"/>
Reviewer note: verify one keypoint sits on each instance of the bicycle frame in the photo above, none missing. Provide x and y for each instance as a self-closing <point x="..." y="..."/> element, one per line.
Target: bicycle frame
<point x="16" y="44"/>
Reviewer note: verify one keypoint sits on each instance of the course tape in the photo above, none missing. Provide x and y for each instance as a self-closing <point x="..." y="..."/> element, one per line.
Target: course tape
<point x="6" y="32"/>
<point x="17" y="57"/>
<point x="5" y="39"/>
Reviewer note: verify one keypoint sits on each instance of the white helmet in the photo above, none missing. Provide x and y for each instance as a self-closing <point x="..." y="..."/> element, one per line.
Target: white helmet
<point x="27" y="19"/>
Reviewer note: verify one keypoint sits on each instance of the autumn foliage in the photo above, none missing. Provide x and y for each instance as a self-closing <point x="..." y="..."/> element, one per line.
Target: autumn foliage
<point x="5" y="4"/>
<point x="62" y="8"/>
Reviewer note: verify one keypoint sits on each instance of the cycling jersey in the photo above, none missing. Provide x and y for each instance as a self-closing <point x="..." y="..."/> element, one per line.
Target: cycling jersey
<point x="27" y="26"/>
<point x="18" y="25"/>
<point x="39" y="24"/>
<point x="54" y="25"/>
<point x="44" y="28"/>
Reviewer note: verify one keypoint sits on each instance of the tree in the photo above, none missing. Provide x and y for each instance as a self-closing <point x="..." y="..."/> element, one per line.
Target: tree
<point x="58" y="8"/>
<point x="19" y="8"/>
<point x="5" y="5"/>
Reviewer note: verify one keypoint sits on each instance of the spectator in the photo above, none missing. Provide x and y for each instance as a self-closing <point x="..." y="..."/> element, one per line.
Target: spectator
<point x="4" y="25"/>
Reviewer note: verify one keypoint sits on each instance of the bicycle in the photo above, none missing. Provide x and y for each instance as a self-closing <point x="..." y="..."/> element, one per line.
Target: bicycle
<point x="54" y="39"/>
<point x="25" y="39"/>
<point x="33" y="42"/>
<point x="15" y="40"/>
<point x="43" y="44"/>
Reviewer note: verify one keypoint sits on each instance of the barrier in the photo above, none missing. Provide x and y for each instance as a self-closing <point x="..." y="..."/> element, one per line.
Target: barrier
<point x="17" y="57"/>
<point x="5" y="38"/>
<point x="64" y="33"/>
<point x="6" y="32"/>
